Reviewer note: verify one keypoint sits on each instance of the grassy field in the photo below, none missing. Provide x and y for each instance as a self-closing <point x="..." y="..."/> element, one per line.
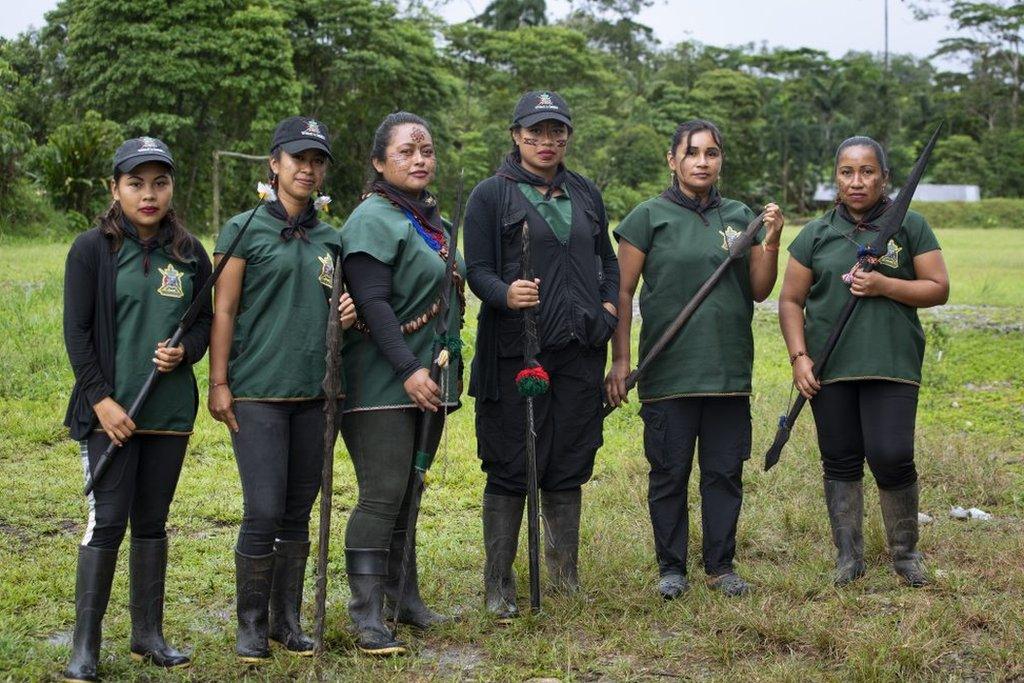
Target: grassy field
<point x="795" y="625"/>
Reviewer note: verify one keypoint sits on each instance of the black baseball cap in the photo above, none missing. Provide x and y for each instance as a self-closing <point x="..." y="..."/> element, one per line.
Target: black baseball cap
<point x="138" y="151"/>
<point x="299" y="133"/>
<point x="541" y="105"/>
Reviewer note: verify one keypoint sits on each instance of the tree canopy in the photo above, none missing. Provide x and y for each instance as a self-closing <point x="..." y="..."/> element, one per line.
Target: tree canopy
<point x="208" y="75"/>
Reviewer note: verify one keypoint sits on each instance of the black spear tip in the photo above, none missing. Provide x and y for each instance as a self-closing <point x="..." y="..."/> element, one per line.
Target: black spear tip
<point x="771" y="457"/>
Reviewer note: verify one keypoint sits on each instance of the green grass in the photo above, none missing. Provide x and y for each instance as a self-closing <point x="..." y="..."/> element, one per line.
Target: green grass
<point x="794" y="626"/>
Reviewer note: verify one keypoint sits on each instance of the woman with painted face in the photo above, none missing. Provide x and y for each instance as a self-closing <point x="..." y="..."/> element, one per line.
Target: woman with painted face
<point x="266" y="367"/>
<point x="865" y="402"/>
<point x="574" y="296"/>
<point x="127" y="283"/>
<point x="697" y="391"/>
<point x="395" y="248"/>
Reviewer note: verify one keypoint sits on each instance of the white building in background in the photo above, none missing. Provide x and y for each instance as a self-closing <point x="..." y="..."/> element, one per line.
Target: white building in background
<point x="925" y="193"/>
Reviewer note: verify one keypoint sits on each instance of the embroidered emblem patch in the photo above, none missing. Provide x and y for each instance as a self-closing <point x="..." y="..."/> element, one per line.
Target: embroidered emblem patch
<point x="729" y="236"/>
<point x="326" y="270"/>
<point x="313" y="128"/>
<point x="170" y="284"/>
<point x="892" y="255"/>
<point x="545" y="102"/>
<point x="149" y="145"/>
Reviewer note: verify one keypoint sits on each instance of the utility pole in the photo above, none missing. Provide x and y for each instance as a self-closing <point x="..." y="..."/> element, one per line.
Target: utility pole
<point x="886" y="5"/>
<point x="885" y="76"/>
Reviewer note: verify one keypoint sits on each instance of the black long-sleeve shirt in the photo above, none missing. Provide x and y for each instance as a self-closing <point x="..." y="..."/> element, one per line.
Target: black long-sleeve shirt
<point x="576" y="278"/>
<point x="369" y="281"/>
<point x="90" y="291"/>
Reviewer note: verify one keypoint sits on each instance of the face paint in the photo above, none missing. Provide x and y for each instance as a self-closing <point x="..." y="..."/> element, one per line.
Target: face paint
<point x="532" y="142"/>
<point x="562" y="143"/>
<point x="418" y="135"/>
<point x="400" y="160"/>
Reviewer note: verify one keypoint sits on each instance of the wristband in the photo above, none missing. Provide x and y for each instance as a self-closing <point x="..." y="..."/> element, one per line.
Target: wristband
<point x="214" y="385"/>
<point x="765" y="247"/>
<point x="794" y="356"/>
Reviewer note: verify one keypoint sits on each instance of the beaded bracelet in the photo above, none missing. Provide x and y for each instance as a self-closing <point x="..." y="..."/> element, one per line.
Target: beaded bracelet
<point x="794" y="356"/>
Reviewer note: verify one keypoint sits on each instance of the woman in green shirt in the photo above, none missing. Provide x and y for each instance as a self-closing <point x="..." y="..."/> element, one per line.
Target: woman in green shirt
<point x="127" y="283"/>
<point x="267" y="362"/>
<point x="865" y="402"/>
<point x="698" y="389"/>
<point x="395" y="246"/>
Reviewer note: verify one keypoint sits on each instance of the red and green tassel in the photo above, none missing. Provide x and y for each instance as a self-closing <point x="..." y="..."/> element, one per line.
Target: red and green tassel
<point x="533" y="380"/>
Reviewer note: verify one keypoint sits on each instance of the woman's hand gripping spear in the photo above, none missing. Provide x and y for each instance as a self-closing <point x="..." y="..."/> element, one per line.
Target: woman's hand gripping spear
<point x="443" y="353"/>
<point x="738" y="247"/>
<point x="266" y="193"/>
<point x="888" y="224"/>
<point x="332" y="393"/>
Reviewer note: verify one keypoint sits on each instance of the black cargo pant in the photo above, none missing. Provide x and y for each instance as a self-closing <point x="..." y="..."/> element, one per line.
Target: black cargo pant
<point x="869" y="420"/>
<point x="720" y="426"/>
<point x="568" y="422"/>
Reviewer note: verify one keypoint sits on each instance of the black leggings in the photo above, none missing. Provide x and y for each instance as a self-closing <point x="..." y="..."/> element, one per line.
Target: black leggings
<point x="279" y="448"/>
<point x="867" y="419"/>
<point x="382" y="444"/>
<point x="139" y="486"/>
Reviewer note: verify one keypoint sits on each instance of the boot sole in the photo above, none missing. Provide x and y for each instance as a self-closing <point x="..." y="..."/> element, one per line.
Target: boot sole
<point x="383" y="651"/>
<point x="78" y="680"/>
<point x="295" y="653"/>
<point x="245" y="659"/>
<point x="136" y="657"/>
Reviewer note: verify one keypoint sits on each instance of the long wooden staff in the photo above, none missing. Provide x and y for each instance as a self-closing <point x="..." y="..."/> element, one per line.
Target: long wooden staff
<point x="738" y="246"/>
<point x="888" y="224"/>
<point x="332" y="391"/>
<point x="537" y="384"/>
<point x="184" y="324"/>
<point x="442" y="354"/>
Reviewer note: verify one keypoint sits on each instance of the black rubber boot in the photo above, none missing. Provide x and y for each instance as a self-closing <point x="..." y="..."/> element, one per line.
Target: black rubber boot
<point x="92" y="593"/>
<point x="899" y="512"/>
<point x="286" y="597"/>
<point x="148" y="570"/>
<point x="412" y="610"/>
<point x="253" y="577"/>
<point x="561" y="515"/>
<point x="367" y="568"/>
<point x="845" y="502"/>
<point x="502" y="517"/>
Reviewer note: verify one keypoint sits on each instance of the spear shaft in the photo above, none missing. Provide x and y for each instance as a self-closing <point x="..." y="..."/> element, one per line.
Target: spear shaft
<point x="442" y="355"/>
<point x="332" y="391"/>
<point x="530" y="351"/>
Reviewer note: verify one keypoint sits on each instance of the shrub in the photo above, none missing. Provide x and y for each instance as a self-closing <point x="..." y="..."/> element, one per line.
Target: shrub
<point x="988" y="213"/>
<point x="74" y="164"/>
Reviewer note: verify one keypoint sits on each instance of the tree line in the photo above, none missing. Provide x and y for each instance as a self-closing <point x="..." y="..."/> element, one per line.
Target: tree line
<point x="208" y="75"/>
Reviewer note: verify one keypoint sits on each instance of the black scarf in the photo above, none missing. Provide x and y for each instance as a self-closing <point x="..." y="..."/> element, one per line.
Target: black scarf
<point x="424" y="207"/>
<point x="512" y="169"/>
<point x="295" y="226"/>
<point x="676" y="196"/>
<point x="158" y="240"/>
<point x="872" y="214"/>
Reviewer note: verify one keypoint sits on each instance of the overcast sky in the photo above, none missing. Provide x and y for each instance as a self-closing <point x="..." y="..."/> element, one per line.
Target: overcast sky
<point x="832" y="25"/>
